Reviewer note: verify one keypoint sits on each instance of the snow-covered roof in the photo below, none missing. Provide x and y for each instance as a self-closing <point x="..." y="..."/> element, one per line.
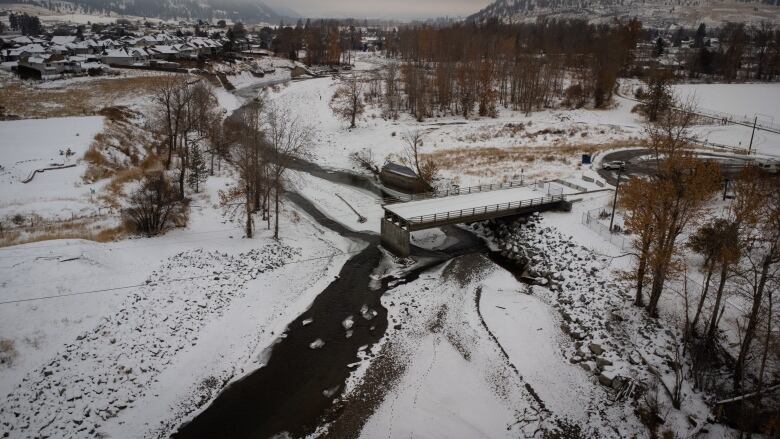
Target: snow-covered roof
<point x="63" y="39"/>
<point x="395" y="168"/>
<point x="117" y="53"/>
<point x="164" y="50"/>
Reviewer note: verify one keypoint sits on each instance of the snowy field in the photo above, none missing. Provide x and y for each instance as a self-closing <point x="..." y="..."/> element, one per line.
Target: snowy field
<point x="33" y="144"/>
<point x="334" y="141"/>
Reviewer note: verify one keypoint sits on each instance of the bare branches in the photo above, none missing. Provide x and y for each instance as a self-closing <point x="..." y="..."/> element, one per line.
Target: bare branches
<point x="347" y="101"/>
<point x="425" y="167"/>
<point x="289" y="139"/>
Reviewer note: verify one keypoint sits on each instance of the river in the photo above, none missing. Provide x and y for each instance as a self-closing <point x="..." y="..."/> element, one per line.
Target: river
<point x="298" y="384"/>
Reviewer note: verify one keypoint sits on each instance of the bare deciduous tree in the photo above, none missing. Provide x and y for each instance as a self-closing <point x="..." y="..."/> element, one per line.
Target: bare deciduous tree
<point x="347" y="101"/>
<point x="288" y="139"/>
<point x="425" y="167"/>
<point x="154" y="206"/>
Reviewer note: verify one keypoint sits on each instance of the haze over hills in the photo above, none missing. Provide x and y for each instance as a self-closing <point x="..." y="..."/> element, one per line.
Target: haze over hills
<point x="652" y="12"/>
<point x="252" y="11"/>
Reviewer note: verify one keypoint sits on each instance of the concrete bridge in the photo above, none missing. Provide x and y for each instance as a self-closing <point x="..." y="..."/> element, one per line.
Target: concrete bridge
<point x="463" y="206"/>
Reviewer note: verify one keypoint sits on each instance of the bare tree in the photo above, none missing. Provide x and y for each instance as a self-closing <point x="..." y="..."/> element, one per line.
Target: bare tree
<point x="425" y="167"/>
<point x="199" y="112"/>
<point x="762" y="255"/>
<point x="364" y="159"/>
<point x="245" y="155"/>
<point x="170" y="101"/>
<point x="347" y="101"/>
<point x="288" y="139"/>
<point x="154" y="206"/>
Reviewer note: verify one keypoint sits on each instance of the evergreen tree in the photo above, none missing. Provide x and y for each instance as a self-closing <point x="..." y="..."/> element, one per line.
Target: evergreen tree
<point x="198" y="170"/>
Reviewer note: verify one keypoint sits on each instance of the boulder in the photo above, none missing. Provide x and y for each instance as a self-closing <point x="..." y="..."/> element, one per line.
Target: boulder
<point x="596" y="349"/>
<point x="601" y="363"/>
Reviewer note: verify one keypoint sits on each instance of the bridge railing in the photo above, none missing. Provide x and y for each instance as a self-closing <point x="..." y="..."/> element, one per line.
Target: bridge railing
<point x="474" y="211"/>
<point x="458" y="191"/>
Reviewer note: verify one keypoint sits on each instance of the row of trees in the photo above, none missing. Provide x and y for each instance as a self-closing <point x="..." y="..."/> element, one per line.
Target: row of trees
<point x="261" y="143"/>
<point x="325" y="41"/>
<point x="26" y="24"/>
<point x="468" y="69"/>
<point x="670" y="215"/>
<point x="186" y="119"/>
<point x="743" y="52"/>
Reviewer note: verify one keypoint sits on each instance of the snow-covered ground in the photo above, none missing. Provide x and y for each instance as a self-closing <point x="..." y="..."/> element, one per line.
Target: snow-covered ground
<point x="142" y="324"/>
<point x="744" y="102"/>
<point x="33" y="144"/>
<point x="129" y="338"/>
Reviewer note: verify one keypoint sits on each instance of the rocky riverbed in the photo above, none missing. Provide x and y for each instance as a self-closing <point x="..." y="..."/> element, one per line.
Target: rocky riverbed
<point x="626" y="352"/>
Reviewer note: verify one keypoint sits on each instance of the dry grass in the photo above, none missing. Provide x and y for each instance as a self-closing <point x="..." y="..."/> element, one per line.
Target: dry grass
<point x="487" y="161"/>
<point x="8" y="351"/>
<point x="120" y="147"/>
<point x="80" y="99"/>
<point x="83" y="228"/>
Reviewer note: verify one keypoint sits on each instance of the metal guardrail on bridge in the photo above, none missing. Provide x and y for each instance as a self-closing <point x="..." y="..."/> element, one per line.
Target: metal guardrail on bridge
<point x="474" y="211"/>
<point x="457" y="191"/>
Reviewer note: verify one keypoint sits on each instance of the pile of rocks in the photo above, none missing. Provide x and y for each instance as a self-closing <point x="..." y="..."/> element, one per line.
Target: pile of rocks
<point x="611" y="338"/>
<point x="107" y="368"/>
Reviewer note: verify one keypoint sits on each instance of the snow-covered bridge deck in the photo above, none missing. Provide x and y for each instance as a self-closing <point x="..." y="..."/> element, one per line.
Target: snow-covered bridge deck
<point x="402" y="218"/>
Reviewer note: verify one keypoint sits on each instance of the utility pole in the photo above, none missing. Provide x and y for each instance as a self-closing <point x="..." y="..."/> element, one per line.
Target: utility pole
<point x="614" y="201"/>
<point x="725" y="188"/>
<point x="755" y="121"/>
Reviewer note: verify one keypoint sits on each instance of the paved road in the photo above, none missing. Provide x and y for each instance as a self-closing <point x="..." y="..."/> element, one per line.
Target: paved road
<point x="639" y="163"/>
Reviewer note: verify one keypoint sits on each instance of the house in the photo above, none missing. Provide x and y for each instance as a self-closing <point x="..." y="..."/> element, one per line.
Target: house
<point x="62" y="40"/>
<point x="41" y="67"/>
<point x="121" y="57"/>
<point x="402" y="178"/>
<point x="163" y="52"/>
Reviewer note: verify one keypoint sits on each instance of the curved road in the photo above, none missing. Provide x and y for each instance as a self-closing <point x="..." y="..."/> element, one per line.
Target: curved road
<point x="639" y="163"/>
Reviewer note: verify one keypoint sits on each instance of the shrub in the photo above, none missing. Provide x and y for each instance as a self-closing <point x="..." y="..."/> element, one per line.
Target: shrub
<point x="155" y="206"/>
<point x="7" y="351"/>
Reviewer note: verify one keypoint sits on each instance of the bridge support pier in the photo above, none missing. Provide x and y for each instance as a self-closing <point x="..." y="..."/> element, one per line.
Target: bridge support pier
<point x="395" y="237"/>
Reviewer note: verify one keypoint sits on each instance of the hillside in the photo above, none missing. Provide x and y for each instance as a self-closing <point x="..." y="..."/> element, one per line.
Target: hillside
<point x="252" y="11"/>
<point x="659" y="13"/>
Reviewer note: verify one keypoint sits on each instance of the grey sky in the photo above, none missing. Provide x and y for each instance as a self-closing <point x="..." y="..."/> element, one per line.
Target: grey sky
<point x="381" y="8"/>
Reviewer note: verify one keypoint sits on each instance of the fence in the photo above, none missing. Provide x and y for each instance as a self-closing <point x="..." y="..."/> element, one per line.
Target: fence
<point x="456" y="191"/>
<point x="591" y="219"/>
<point x="34" y="223"/>
<point x="571" y="185"/>
<point x="541" y="185"/>
<point x="474" y="211"/>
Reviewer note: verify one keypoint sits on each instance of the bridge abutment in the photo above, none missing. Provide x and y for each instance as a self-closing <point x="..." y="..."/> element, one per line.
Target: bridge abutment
<point x="395" y="237"/>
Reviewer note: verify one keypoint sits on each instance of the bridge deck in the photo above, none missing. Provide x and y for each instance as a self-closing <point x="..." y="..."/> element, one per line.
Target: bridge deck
<point x="421" y="208"/>
<point x="402" y="218"/>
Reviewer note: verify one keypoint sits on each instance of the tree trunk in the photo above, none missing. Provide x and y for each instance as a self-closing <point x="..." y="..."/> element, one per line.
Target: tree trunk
<point x="183" y="167"/>
<point x="276" y="212"/>
<point x="718" y="297"/>
<point x="659" y="278"/>
<point x="750" y="330"/>
<point x="640" y="278"/>
<point x="700" y="306"/>
<point x="248" y="215"/>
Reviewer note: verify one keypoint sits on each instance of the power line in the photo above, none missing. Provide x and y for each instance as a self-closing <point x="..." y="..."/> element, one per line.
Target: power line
<point x="125" y="287"/>
<point x="21" y="252"/>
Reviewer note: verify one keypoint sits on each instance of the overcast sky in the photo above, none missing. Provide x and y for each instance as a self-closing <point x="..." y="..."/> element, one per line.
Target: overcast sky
<point x="381" y="8"/>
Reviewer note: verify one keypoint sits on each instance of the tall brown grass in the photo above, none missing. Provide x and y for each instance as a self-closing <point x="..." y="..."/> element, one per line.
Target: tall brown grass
<point x="482" y="161"/>
<point x="81" y="99"/>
